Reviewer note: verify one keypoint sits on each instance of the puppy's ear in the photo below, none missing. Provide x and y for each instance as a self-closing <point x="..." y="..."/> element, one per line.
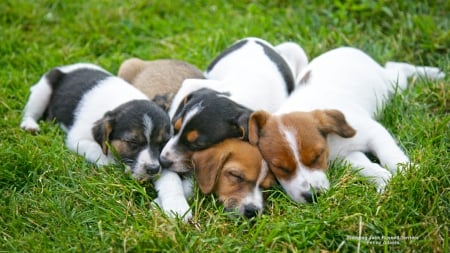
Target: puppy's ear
<point x="333" y="121"/>
<point x="208" y="164"/>
<point x="256" y="123"/>
<point x="102" y="130"/>
<point x="242" y="124"/>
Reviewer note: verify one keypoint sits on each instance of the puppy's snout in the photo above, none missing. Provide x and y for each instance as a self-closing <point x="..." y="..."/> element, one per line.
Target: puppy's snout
<point x="311" y="196"/>
<point x="152" y="169"/>
<point x="165" y="163"/>
<point x="251" y="211"/>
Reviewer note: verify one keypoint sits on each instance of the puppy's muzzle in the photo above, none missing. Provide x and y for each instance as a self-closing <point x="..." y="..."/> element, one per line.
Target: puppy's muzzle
<point x="165" y="163"/>
<point x="152" y="169"/>
<point x="251" y="211"/>
<point x="311" y="195"/>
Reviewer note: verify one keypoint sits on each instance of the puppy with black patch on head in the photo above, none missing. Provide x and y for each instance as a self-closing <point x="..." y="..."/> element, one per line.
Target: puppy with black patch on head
<point x="249" y="75"/>
<point x="331" y="115"/>
<point x="103" y="117"/>
<point x="158" y="79"/>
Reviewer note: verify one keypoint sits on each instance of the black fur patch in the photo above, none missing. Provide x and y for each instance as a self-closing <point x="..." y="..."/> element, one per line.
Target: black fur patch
<point x="68" y="89"/>
<point x="227" y="51"/>
<point x="282" y="66"/>
<point x="220" y="118"/>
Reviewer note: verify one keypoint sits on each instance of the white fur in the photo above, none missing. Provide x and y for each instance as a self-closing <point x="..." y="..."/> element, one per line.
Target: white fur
<point x="255" y="197"/>
<point x="349" y="80"/>
<point x="172" y="195"/>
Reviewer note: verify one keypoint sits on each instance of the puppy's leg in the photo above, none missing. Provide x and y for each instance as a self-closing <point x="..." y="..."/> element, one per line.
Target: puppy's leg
<point x="85" y="145"/>
<point x="377" y="174"/>
<point x="188" y="187"/>
<point x="385" y="148"/>
<point x="400" y="71"/>
<point x="171" y="196"/>
<point x="37" y="103"/>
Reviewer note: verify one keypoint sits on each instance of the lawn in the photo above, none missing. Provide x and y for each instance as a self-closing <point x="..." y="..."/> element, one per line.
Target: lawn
<point x="51" y="200"/>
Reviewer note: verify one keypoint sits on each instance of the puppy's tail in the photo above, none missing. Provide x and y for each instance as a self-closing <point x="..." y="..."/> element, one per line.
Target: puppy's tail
<point x="400" y="71"/>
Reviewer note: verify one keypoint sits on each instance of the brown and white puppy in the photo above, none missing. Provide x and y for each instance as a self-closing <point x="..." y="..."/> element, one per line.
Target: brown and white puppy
<point x="332" y="115"/>
<point x="158" y="79"/>
<point x="235" y="171"/>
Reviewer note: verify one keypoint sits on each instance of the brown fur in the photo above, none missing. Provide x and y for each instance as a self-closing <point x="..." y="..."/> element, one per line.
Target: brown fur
<point x="230" y="170"/>
<point x="158" y="79"/>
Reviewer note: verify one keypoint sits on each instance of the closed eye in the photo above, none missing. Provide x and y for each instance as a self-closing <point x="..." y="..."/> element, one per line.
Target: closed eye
<point x="239" y="178"/>
<point x="317" y="157"/>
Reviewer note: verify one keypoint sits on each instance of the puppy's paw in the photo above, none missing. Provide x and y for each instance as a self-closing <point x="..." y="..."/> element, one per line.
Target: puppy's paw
<point x="29" y="125"/>
<point x="381" y="178"/>
<point x="175" y="207"/>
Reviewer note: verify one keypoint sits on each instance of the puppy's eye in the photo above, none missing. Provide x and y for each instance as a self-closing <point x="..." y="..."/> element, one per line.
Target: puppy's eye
<point x="237" y="177"/>
<point x="132" y="144"/>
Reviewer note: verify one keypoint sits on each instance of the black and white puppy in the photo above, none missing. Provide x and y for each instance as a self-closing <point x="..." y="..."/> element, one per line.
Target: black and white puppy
<point x="250" y="75"/>
<point x="105" y="118"/>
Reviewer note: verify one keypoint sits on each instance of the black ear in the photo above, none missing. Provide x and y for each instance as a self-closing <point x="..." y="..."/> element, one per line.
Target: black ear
<point x="102" y="130"/>
<point x="241" y="122"/>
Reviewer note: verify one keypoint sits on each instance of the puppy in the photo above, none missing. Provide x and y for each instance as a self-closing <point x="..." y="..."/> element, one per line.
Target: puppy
<point x="249" y="75"/>
<point x="158" y="79"/>
<point x="235" y="171"/>
<point x="103" y="116"/>
<point x="332" y="115"/>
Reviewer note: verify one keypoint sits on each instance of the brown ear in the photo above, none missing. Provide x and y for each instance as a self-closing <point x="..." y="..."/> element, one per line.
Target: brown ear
<point x="333" y="121"/>
<point x="208" y="163"/>
<point x="102" y="130"/>
<point x="256" y="122"/>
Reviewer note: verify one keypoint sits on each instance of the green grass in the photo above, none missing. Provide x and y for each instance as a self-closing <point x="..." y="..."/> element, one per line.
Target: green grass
<point x="51" y="200"/>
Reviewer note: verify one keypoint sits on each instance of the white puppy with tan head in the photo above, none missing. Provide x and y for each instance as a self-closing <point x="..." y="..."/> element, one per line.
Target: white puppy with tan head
<point x="332" y="115"/>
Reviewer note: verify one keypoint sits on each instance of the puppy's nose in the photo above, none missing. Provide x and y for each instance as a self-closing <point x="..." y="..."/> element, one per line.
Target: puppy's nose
<point x="310" y="196"/>
<point x="152" y="169"/>
<point x="165" y="163"/>
<point x="250" y="211"/>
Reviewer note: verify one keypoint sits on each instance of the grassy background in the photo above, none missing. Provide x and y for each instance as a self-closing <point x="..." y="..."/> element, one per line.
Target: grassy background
<point x="52" y="200"/>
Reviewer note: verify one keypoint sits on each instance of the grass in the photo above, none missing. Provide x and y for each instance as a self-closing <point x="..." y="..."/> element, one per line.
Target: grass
<point x="51" y="200"/>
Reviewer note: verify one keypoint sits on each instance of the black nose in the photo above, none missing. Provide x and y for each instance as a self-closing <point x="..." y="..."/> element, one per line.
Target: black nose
<point x="164" y="162"/>
<point x="311" y="196"/>
<point x="250" y="211"/>
<point x="152" y="169"/>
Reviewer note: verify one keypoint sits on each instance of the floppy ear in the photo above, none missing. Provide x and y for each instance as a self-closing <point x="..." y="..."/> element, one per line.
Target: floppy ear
<point x="256" y="122"/>
<point x="102" y="130"/>
<point x="208" y="163"/>
<point x="333" y="121"/>
<point x="242" y="123"/>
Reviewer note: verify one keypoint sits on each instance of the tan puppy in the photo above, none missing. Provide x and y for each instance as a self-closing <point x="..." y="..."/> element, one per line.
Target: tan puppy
<point x="235" y="171"/>
<point x="158" y="79"/>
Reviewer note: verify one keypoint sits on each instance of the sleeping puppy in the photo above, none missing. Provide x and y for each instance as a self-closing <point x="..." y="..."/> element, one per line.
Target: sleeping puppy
<point x="158" y="79"/>
<point x="250" y="75"/>
<point x="332" y="115"/>
<point x="104" y="117"/>
<point x="235" y="171"/>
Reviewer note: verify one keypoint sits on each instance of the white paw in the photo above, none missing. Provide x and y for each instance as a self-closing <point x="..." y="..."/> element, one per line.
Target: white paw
<point x="381" y="178"/>
<point x="174" y="207"/>
<point x="29" y="125"/>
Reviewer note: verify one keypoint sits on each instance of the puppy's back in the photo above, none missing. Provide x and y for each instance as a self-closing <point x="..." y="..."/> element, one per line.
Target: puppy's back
<point x="158" y="79"/>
